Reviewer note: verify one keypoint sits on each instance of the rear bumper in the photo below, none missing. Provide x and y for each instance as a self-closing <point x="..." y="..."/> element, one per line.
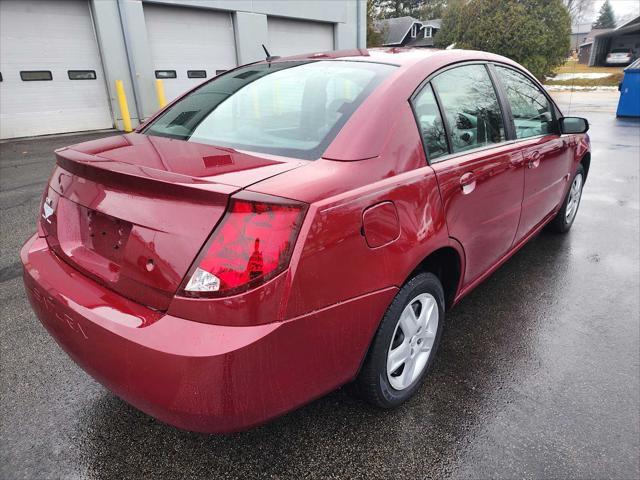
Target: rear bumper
<point x="198" y="376"/>
<point x="618" y="61"/>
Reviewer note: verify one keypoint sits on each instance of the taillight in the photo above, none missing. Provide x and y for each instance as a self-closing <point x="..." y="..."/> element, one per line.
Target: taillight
<point x="252" y="244"/>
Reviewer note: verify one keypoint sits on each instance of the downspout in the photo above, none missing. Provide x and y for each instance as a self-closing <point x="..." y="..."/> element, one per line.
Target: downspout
<point x="105" y="72"/>
<point x="130" y="60"/>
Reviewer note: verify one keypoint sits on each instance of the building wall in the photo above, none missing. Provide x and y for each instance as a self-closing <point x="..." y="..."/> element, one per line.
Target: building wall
<point x="250" y="19"/>
<point x="122" y="36"/>
<point x="578" y="39"/>
<point x="585" y="53"/>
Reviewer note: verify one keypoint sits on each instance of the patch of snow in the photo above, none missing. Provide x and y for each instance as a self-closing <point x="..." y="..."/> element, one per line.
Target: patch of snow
<point x="573" y="76"/>
<point x="562" y="88"/>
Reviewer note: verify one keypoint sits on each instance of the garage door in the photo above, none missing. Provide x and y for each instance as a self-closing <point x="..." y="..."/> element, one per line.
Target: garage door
<point x="293" y="37"/>
<point x="52" y="79"/>
<point x="188" y="45"/>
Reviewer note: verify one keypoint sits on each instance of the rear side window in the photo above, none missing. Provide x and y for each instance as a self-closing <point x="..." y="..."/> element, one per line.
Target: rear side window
<point x="293" y="109"/>
<point x="471" y="107"/>
<point x="530" y="108"/>
<point x="430" y="123"/>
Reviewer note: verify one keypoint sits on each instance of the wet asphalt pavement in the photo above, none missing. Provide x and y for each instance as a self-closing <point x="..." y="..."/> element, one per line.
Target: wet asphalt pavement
<point x="537" y="376"/>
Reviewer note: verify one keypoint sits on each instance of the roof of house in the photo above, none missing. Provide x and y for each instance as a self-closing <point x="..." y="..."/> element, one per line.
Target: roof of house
<point x="633" y="21"/>
<point x="436" y="23"/>
<point x="395" y="29"/>
<point x="632" y="26"/>
<point x="597" y="31"/>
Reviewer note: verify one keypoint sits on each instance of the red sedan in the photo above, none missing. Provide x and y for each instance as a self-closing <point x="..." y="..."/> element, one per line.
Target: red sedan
<point x="296" y="224"/>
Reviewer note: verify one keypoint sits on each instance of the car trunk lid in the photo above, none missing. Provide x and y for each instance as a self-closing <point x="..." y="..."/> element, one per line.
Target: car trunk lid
<point x="132" y="212"/>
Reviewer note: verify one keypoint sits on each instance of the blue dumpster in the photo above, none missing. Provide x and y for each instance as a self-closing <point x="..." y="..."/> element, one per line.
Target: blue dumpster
<point x="629" y="103"/>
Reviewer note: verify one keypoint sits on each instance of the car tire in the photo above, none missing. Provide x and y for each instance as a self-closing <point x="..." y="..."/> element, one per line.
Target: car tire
<point x="383" y="380"/>
<point x="565" y="217"/>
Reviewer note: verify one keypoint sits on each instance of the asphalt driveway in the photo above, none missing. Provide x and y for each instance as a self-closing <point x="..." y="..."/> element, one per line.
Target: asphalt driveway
<point x="537" y="377"/>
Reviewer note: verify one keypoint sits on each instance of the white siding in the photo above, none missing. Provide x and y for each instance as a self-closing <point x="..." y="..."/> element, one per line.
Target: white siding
<point x="184" y="39"/>
<point x="293" y="37"/>
<point x="55" y="36"/>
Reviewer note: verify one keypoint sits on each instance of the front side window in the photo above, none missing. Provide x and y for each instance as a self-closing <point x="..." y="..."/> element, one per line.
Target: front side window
<point x="292" y="109"/>
<point x="430" y="123"/>
<point x="471" y="107"/>
<point x="530" y="108"/>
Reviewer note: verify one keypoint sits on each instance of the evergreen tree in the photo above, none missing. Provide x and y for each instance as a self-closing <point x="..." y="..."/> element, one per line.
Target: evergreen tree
<point x="534" y="33"/>
<point x="606" y="18"/>
<point x="431" y="9"/>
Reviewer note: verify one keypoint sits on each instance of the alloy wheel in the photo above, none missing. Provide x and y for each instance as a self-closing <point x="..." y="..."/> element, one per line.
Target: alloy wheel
<point x="574" y="199"/>
<point x="412" y="341"/>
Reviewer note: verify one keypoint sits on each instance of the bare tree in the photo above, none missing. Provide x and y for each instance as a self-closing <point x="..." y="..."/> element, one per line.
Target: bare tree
<point x="579" y="10"/>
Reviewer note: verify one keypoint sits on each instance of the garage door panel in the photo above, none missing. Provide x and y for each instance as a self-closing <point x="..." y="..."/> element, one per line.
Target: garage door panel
<point x="183" y="39"/>
<point x="309" y="36"/>
<point x="55" y="36"/>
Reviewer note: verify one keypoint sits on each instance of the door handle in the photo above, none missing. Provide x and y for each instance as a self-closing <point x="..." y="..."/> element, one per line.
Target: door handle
<point x="468" y="183"/>
<point x="533" y="160"/>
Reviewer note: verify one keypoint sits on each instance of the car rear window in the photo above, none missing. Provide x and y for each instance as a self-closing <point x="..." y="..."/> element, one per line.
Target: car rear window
<point x="293" y="109"/>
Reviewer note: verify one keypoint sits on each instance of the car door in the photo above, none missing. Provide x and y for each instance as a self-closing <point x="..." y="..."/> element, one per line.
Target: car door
<point x="547" y="155"/>
<point x="480" y="174"/>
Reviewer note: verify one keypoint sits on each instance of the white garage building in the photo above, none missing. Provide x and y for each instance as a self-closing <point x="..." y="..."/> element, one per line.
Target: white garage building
<point x="59" y="59"/>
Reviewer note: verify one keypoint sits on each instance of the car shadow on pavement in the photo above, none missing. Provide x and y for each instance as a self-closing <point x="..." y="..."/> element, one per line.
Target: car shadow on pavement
<point x="489" y="346"/>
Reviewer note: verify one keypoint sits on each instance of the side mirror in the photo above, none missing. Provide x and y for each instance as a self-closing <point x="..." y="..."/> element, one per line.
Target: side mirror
<point x="573" y="125"/>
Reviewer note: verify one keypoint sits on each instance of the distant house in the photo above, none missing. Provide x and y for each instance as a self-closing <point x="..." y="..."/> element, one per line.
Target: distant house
<point x="408" y="31"/>
<point x="584" y="48"/>
<point x="579" y="34"/>
<point x="625" y="36"/>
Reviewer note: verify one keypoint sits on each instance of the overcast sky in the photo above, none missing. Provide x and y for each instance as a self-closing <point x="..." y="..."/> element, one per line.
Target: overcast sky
<point x="622" y="8"/>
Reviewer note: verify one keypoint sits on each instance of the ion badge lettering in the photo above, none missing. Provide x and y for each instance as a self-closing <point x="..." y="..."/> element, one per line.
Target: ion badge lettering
<point x="48" y="304"/>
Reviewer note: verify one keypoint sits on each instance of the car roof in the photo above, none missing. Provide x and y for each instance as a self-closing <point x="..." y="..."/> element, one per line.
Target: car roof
<point x="400" y="56"/>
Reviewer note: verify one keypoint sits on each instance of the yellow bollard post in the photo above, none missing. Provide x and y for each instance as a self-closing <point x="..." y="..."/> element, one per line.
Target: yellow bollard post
<point x="124" y="108"/>
<point x="162" y="100"/>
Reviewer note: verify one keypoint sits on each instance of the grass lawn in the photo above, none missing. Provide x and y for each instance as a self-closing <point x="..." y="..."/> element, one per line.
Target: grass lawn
<point x="572" y="66"/>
